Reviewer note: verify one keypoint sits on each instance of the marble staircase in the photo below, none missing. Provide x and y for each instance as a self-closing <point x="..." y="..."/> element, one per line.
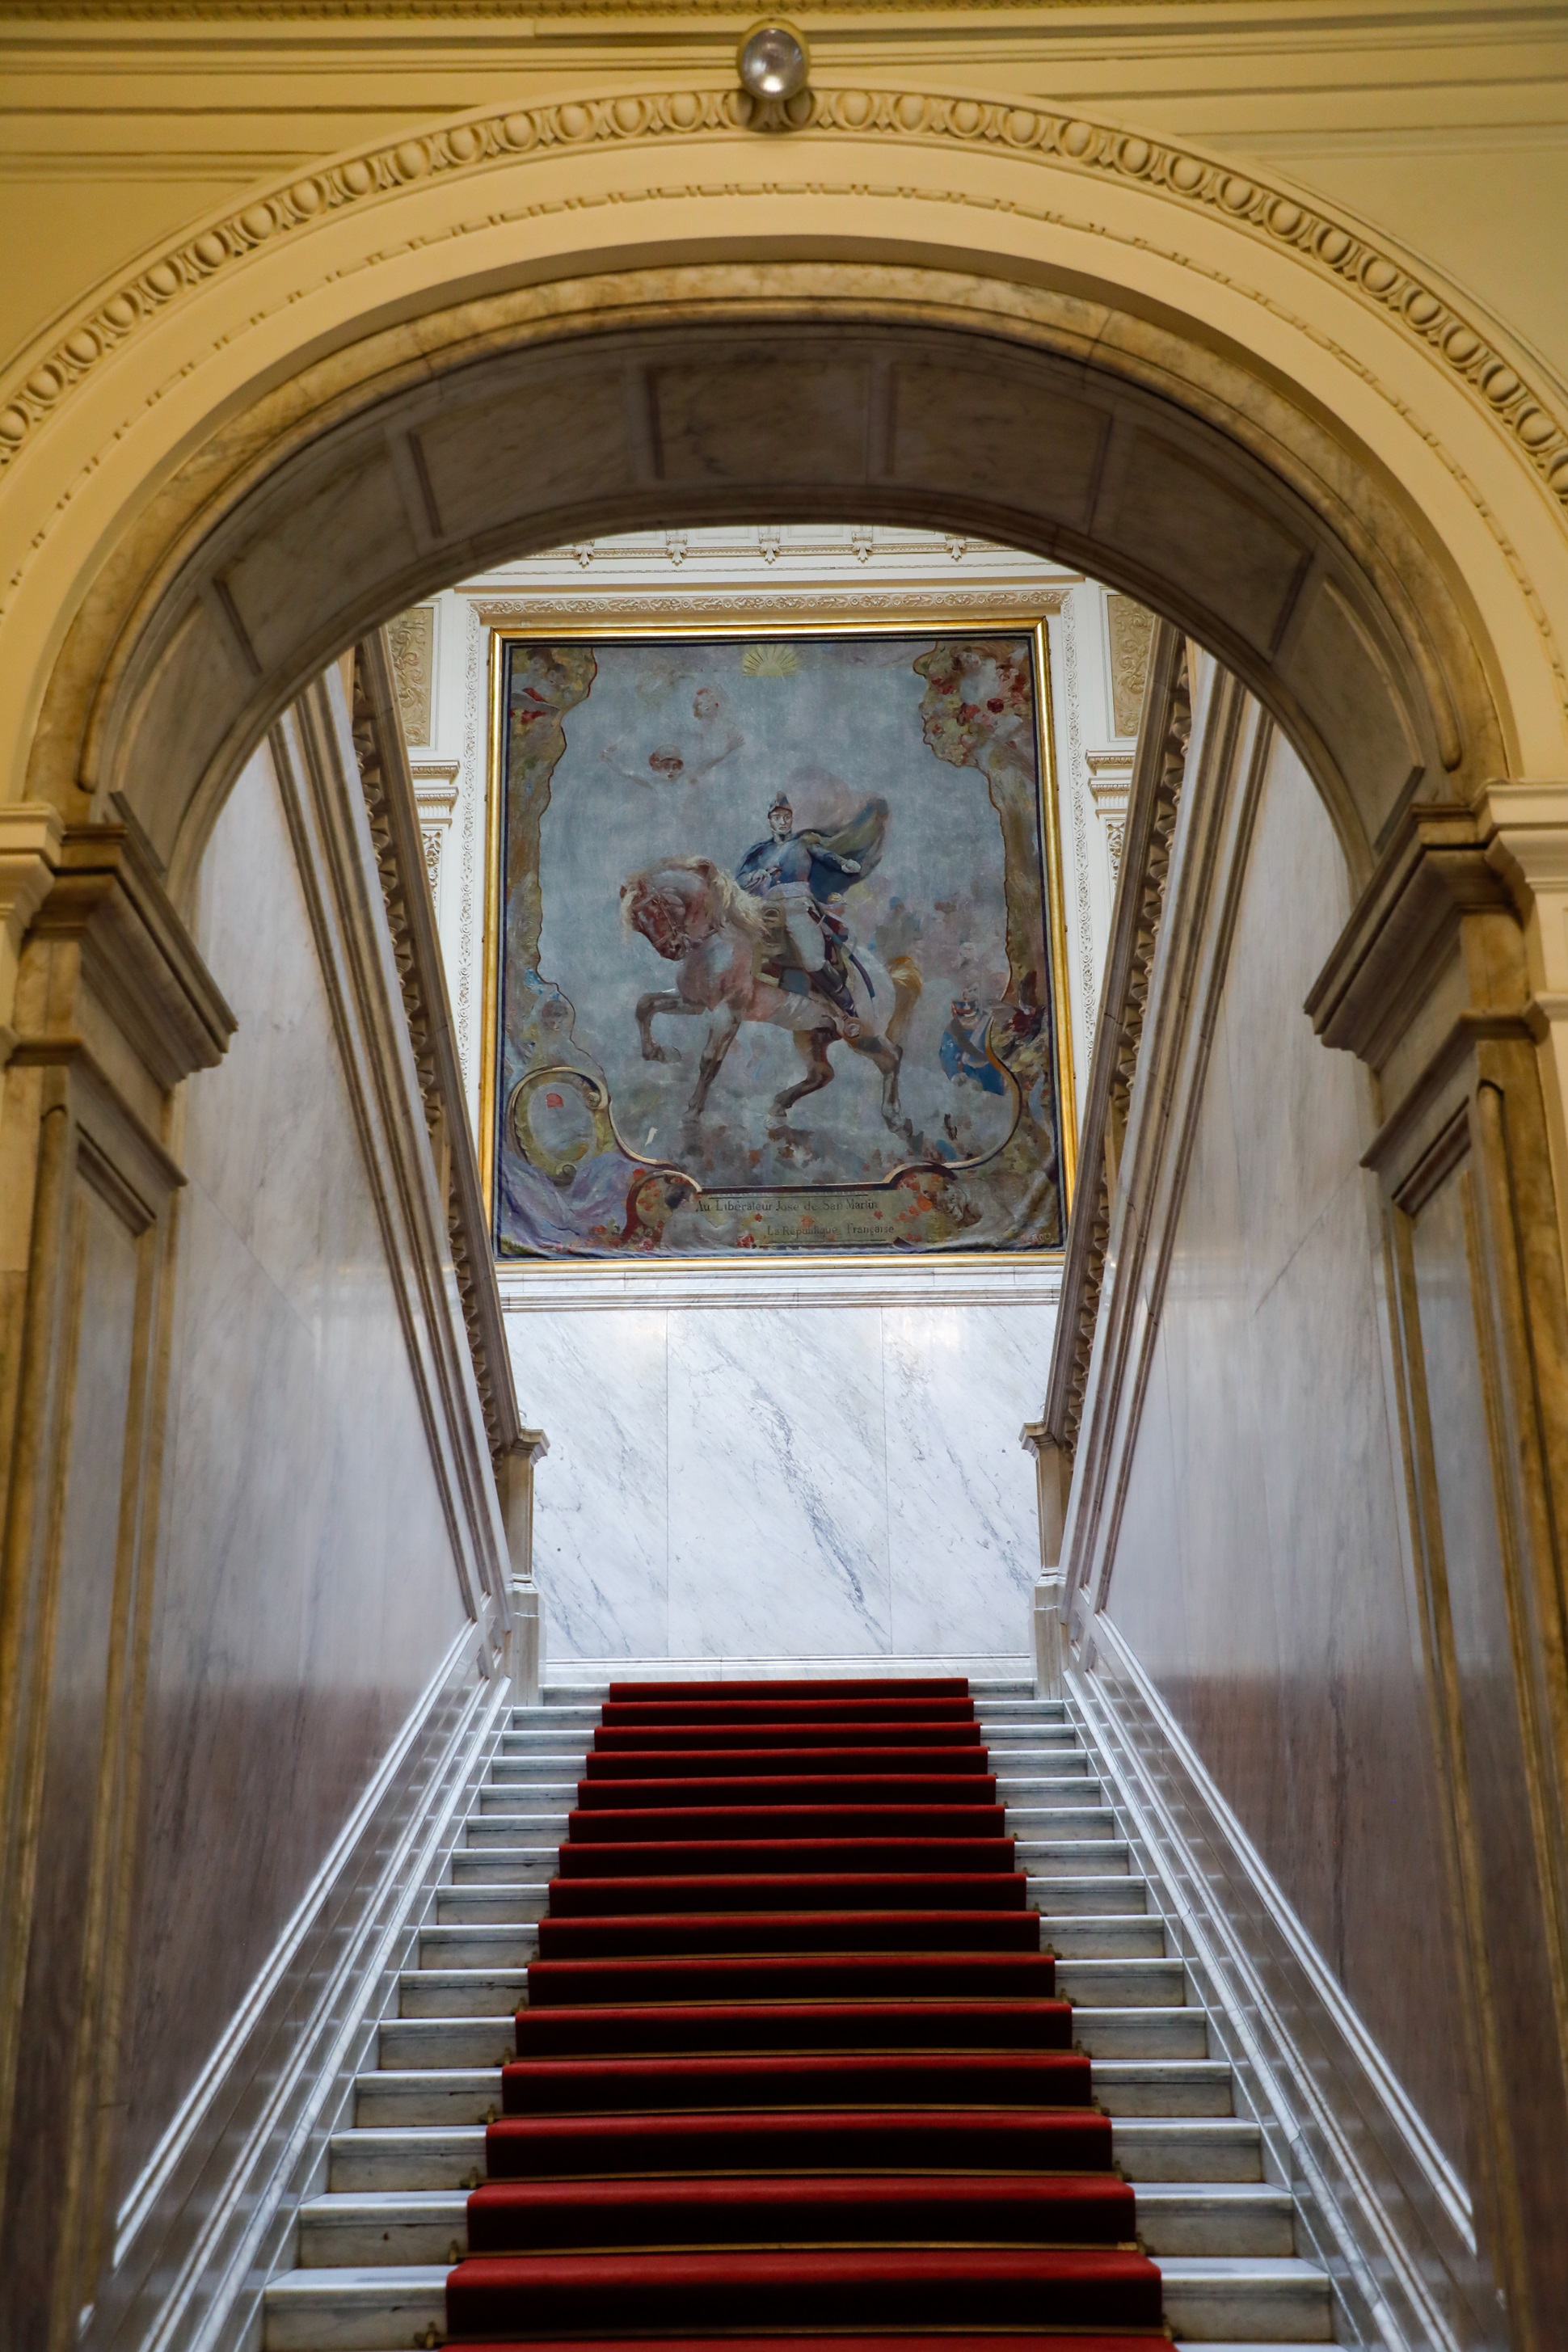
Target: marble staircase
<point x="374" y="2248"/>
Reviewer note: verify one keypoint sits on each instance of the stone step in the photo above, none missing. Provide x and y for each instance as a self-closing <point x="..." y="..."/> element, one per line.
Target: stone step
<point x="1024" y="1705"/>
<point x="1204" y="2150"/>
<point x="467" y="2038"/>
<point x="508" y="1946"/>
<point x="375" y="2249"/>
<point x="556" y="1791"/>
<point x="1072" y="1807"/>
<point x="509" y="1829"/>
<point x="522" y="1805"/>
<point x="361" y="2227"/>
<point x="461" y="1992"/>
<point x="405" y="2159"/>
<point x="1140" y="2033"/>
<point x="1106" y="1983"/>
<point x="1153" y="2086"/>
<point x="1062" y="1857"/>
<point x="1230" y="2219"/>
<point x="1076" y="1937"/>
<point x="420" y="2042"/>
<point x="445" y="2097"/>
<point x="476" y="1865"/>
<point x="994" y="1726"/>
<point x="1037" y="1741"/>
<point x="1208" y="2300"/>
<point x="354" y="2310"/>
<point x="1126" y="1895"/>
<point x="449" y="2096"/>
<point x="506" y="1905"/>
<point x="1277" y="2300"/>
<point x="1063" y="1822"/>
<point x="1192" y="2148"/>
<point x="1090" y="1935"/>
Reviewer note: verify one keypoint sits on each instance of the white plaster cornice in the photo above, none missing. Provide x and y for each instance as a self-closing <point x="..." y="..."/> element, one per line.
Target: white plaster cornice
<point x="550" y="1286"/>
<point x="1502" y="380"/>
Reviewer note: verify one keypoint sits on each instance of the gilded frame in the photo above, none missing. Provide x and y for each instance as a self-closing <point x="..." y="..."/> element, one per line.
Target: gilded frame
<point x="917" y="620"/>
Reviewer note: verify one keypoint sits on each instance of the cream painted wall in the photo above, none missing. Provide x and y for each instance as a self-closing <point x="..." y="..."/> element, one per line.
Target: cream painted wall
<point x="1442" y="121"/>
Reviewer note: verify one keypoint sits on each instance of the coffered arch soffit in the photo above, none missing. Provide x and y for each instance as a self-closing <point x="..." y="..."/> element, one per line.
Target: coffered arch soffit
<point x="498" y="335"/>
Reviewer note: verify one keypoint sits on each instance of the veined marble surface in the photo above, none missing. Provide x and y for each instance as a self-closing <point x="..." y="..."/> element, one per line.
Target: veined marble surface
<point x="785" y="1482"/>
<point x="305" y="1579"/>
<point x="1262" y="1576"/>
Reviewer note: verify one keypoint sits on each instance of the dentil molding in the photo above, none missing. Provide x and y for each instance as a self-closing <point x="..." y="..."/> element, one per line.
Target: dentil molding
<point x="1379" y="277"/>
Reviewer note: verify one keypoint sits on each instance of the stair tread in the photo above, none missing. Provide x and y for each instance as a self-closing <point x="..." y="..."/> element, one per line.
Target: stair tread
<point x="1049" y="1831"/>
<point x="1290" y="2268"/>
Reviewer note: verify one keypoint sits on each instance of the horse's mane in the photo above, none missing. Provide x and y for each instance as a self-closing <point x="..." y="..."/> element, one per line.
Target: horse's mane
<point x="733" y="906"/>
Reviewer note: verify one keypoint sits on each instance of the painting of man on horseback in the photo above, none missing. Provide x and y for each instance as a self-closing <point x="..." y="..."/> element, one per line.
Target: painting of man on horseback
<point x="731" y="970"/>
<point x="771" y="945"/>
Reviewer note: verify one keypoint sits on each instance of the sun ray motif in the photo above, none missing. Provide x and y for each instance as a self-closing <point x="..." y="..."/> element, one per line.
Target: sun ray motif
<point x="770" y="661"/>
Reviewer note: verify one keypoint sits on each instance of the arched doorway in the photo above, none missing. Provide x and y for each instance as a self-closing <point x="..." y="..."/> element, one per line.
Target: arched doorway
<point x="499" y="333"/>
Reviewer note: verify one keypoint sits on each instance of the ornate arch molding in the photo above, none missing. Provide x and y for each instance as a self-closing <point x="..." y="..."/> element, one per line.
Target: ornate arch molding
<point x="1177" y="458"/>
<point x="1472" y="350"/>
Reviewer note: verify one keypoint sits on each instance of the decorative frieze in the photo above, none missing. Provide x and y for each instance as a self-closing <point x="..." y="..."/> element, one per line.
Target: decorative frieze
<point x="1127" y="629"/>
<point x="1109" y="782"/>
<point x="436" y="793"/>
<point x="410" y="643"/>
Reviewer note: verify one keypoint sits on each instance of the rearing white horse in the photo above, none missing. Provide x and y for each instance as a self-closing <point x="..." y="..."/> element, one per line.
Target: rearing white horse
<point x="693" y="915"/>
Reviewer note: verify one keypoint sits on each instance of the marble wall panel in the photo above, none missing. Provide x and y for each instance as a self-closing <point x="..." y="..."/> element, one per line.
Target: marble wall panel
<point x="785" y="1482"/>
<point x="599" y="1386"/>
<point x="963" y="1534"/>
<point x="778" y="1491"/>
<point x="1261" y="1574"/>
<point x="307" y="1589"/>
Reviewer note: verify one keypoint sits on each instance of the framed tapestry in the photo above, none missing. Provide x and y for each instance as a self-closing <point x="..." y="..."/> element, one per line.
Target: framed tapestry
<point x="776" y="945"/>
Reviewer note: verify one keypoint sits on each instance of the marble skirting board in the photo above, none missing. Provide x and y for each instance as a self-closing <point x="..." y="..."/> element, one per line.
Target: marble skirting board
<point x="786" y="1484"/>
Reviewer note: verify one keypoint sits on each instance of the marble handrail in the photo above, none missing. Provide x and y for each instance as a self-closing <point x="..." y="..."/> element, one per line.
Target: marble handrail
<point x="1158" y="769"/>
<point x="394" y="827"/>
<point x="1157" y="772"/>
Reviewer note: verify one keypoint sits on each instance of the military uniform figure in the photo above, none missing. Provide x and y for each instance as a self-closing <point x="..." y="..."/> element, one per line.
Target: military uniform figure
<point x="794" y="871"/>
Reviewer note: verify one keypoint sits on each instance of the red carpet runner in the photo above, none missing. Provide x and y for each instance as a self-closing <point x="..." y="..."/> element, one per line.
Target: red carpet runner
<point x="792" y="2060"/>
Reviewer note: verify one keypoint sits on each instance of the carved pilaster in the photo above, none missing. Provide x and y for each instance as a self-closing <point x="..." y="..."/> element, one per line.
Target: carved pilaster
<point x="1431" y="985"/>
<point x="111" y="1008"/>
<point x="516" y="1467"/>
<point x="1526" y="830"/>
<point x="1053" y="1477"/>
<point x="29" y="843"/>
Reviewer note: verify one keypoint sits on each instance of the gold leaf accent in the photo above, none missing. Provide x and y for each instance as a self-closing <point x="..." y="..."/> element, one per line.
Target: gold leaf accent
<point x="770" y="661"/>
